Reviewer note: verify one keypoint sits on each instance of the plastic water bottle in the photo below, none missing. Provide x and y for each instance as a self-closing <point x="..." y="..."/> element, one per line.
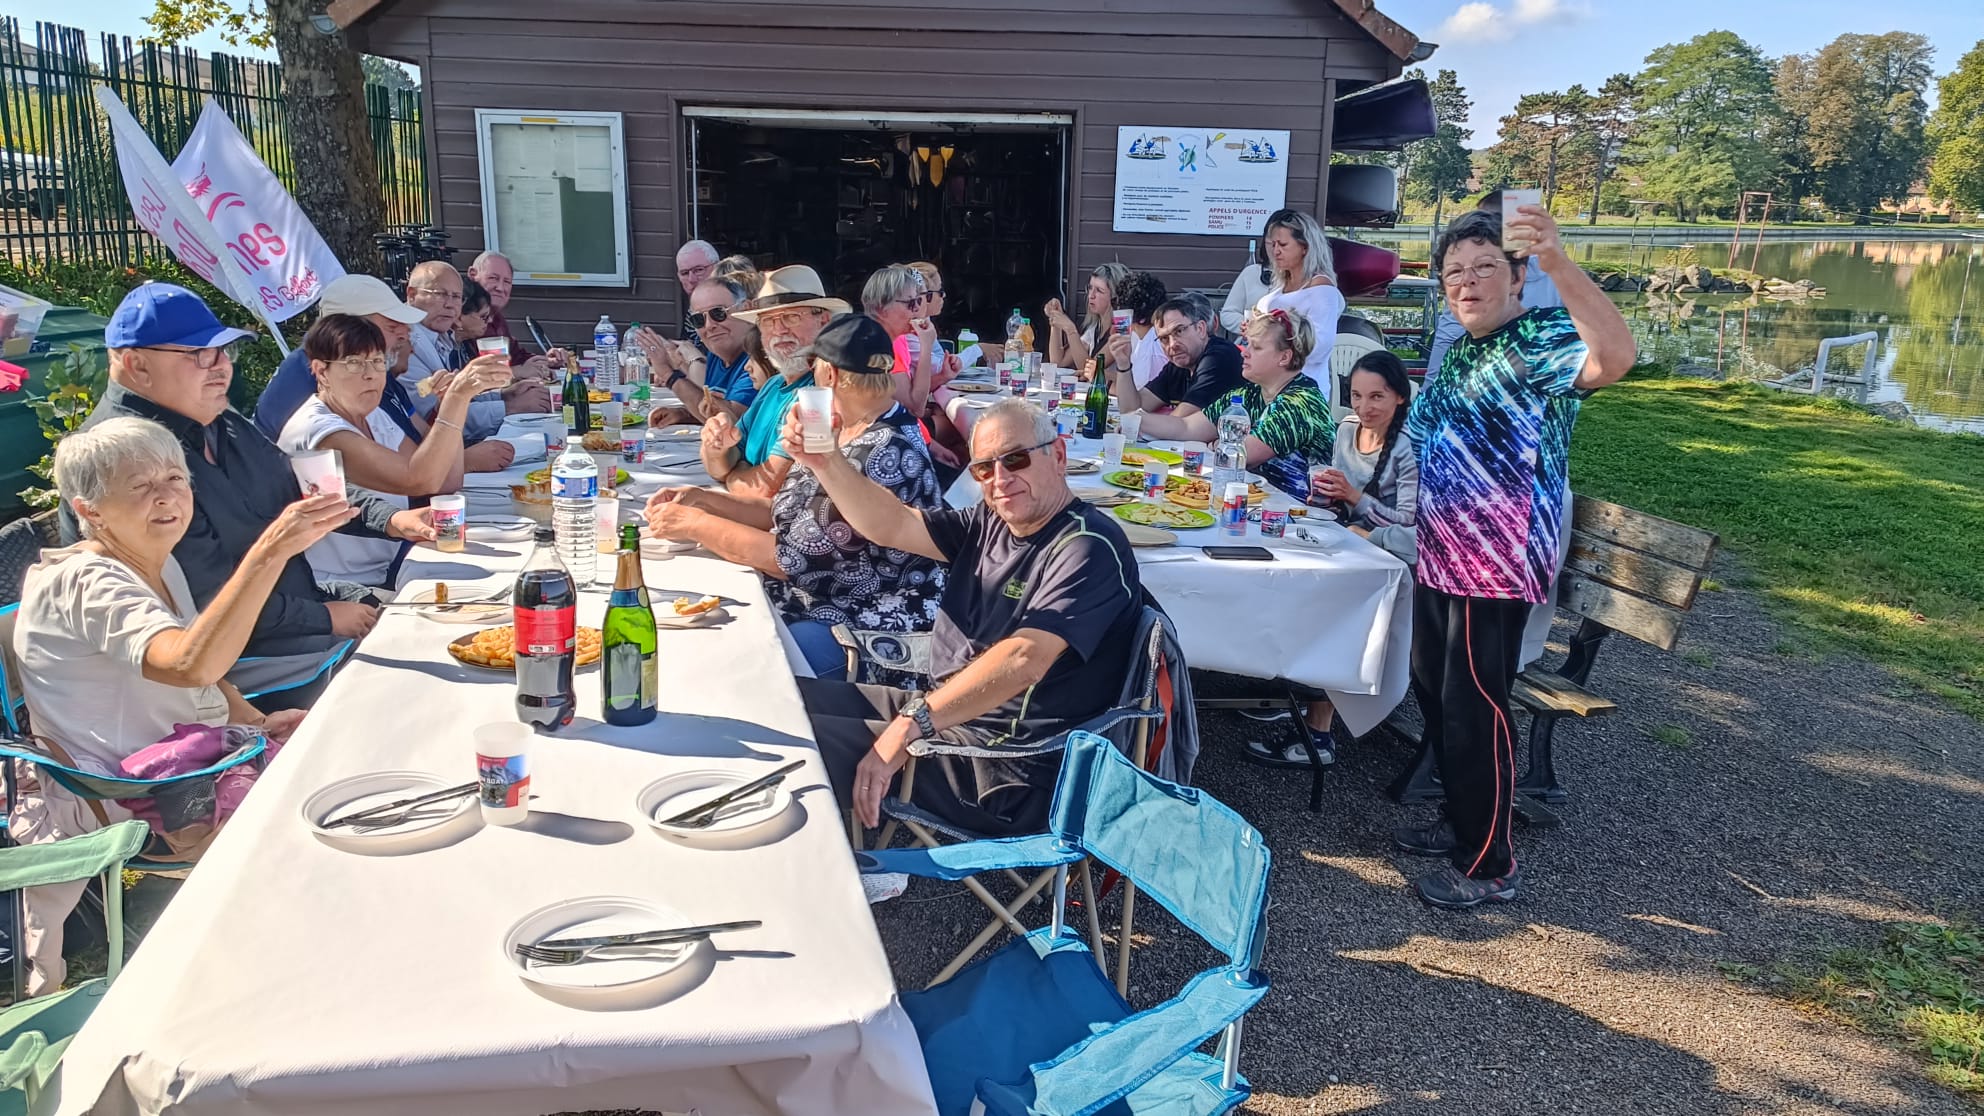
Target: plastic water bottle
<point x="606" y="366"/>
<point x="1230" y="455"/>
<point x="574" y="490"/>
<point x="1015" y="325"/>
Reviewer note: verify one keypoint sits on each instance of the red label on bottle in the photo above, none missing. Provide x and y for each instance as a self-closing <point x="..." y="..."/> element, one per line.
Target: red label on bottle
<point x="546" y="631"/>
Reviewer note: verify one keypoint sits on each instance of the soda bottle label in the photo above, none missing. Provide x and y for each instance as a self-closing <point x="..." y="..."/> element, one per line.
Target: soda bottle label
<point x="546" y="631"/>
<point x="574" y="488"/>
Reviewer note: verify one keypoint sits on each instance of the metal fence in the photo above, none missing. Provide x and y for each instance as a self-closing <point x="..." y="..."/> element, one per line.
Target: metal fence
<point x="61" y="196"/>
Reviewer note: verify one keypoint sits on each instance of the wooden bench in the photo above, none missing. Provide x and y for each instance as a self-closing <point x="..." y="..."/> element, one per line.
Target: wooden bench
<point x="1626" y="572"/>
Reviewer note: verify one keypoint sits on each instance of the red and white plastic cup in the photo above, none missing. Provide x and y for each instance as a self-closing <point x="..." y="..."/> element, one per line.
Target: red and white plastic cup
<point x="502" y="771"/>
<point x="1233" y="510"/>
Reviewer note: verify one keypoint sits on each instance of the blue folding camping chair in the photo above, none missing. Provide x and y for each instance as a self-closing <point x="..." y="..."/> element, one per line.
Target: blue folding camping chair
<point x="1038" y="1029"/>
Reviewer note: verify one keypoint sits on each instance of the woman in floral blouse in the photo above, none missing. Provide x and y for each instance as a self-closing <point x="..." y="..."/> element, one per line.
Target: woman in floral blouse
<point x="817" y="570"/>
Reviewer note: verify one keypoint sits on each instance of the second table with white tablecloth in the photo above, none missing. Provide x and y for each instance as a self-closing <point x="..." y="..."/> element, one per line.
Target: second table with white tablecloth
<point x="292" y="976"/>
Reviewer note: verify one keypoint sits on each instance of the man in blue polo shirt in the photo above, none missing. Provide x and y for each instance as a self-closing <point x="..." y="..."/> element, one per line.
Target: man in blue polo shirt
<point x="790" y="310"/>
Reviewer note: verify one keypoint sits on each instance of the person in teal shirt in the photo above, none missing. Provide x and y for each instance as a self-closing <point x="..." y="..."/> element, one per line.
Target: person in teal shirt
<point x="790" y="310"/>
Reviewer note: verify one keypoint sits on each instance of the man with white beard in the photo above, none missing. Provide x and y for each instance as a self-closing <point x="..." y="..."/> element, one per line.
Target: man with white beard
<point x="746" y="455"/>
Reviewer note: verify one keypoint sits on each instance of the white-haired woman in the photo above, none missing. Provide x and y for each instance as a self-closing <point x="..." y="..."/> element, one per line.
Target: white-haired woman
<point x="1072" y="347"/>
<point x="1304" y="282"/>
<point x="113" y="651"/>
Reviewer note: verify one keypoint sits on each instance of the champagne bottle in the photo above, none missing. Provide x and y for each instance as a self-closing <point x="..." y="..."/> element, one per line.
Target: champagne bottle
<point x="578" y="404"/>
<point x="628" y="670"/>
<point x="1095" y="408"/>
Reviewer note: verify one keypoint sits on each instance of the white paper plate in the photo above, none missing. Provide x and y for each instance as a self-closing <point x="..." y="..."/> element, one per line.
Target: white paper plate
<point x="618" y="969"/>
<point x="685" y="790"/>
<point x="536" y="423"/>
<point x="652" y="547"/>
<point x="664" y="616"/>
<point x="481" y="615"/>
<point x="500" y="528"/>
<point x="428" y="827"/>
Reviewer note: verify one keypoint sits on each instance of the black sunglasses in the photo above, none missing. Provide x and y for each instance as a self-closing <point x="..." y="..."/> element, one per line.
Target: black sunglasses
<point x="1014" y="461"/>
<point x="716" y="314"/>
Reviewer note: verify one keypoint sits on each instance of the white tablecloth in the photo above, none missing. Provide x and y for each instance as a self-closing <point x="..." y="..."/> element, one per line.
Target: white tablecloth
<point x="1340" y="620"/>
<point x="292" y="977"/>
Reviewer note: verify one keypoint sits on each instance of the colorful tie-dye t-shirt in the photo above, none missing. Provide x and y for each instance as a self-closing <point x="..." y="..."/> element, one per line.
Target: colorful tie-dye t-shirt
<point x="1493" y="429"/>
<point x="1295" y="425"/>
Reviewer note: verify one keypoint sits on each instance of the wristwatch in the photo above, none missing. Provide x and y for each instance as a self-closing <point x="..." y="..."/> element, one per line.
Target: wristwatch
<point x="918" y="710"/>
<point x="678" y="374"/>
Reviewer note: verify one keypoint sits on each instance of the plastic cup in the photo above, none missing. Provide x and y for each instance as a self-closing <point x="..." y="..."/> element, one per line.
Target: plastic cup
<point x="1194" y="454"/>
<point x="1131" y="423"/>
<point x="1018" y="386"/>
<point x="556" y="387"/>
<point x="1119" y="321"/>
<point x="1156" y="473"/>
<point x="1510" y="200"/>
<point x="1005" y="373"/>
<point x="613" y="414"/>
<point x="633" y="445"/>
<point x="1112" y="451"/>
<point x="554" y="441"/>
<point x="486" y="345"/>
<point x="502" y="768"/>
<point x="450" y="521"/>
<point x="816" y="418"/>
<point x="319" y="472"/>
<point x="1274" y="523"/>
<point x="1070" y="386"/>
<point x="606" y="523"/>
<point x="1233" y="510"/>
<point x="1032" y="365"/>
<point x="1316" y="475"/>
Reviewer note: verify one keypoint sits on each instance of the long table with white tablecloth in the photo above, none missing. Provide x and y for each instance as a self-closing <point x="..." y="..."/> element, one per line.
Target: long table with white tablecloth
<point x="293" y="977"/>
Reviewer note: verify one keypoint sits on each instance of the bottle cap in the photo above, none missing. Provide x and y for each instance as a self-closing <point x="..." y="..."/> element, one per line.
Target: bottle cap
<point x="543" y="534"/>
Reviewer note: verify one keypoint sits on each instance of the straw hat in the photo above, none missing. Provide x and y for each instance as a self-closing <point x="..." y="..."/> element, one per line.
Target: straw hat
<point x="793" y="285"/>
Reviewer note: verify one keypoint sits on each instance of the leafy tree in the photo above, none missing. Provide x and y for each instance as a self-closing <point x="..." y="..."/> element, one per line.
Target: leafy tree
<point x="1864" y="111"/>
<point x="1789" y="134"/>
<point x="330" y="133"/>
<point x="1535" y="135"/>
<point x="1439" y="167"/>
<point x="1703" y="107"/>
<point x="386" y="72"/>
<point x="1957" y="132"/>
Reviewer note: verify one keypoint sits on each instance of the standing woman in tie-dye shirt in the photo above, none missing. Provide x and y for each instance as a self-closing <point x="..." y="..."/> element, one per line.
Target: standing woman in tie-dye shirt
<point x="1493" y="430"/>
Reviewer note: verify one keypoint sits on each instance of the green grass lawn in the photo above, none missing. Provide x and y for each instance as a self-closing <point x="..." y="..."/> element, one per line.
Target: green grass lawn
<point x="1864" y="535"/>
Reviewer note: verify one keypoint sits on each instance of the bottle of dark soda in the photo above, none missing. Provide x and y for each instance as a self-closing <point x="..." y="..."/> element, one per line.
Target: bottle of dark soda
<point x="547" y="602"/>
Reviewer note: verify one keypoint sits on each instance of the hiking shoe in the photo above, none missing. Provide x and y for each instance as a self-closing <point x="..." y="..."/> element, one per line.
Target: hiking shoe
<point x="1266" y="716"/>
<point x="1448" y="889"/>
<point x="1426" y="840"/>
<point x="1291" y="755"/>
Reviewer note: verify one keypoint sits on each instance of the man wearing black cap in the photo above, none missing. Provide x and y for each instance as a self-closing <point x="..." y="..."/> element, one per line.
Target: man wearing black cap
<point x="171" y="361"/>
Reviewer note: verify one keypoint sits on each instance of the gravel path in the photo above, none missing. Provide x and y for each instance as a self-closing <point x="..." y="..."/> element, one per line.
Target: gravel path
<point x="1813" y="802"/>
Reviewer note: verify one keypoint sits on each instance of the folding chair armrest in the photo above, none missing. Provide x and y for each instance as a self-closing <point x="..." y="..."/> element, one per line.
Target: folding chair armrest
<point x="957" y="862"/>
<point x="18" y="1061"/>
<point x="1113" y="1062"/>
<point x="1050" y="745"/>
<point x="73" y="858"/>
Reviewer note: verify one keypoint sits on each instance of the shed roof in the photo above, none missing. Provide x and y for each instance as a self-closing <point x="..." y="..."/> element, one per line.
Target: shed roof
<point x="1387" y="31"/>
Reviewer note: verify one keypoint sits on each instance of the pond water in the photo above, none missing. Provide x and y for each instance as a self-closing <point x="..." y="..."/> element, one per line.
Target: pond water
<point x="1924" y="298"/>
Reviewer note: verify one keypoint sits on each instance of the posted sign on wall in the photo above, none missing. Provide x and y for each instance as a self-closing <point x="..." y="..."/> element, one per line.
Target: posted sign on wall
<point x="1202" y="181"/>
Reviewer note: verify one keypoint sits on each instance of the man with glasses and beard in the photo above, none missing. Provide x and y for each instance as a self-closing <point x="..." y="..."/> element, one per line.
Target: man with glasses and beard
<point x="713" y="377"/>
<point x="744" y="454"/>
<point x="1034" y="633"/>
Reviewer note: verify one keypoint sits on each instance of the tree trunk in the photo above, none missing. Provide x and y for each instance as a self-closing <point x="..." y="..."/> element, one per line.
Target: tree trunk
<point x="1597" y="188"/>
<point x="330" y="133"/>
<point x="1439" y="203"/>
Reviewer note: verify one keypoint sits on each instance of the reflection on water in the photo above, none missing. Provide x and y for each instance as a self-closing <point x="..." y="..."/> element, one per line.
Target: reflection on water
<point x="1924" y="298"/>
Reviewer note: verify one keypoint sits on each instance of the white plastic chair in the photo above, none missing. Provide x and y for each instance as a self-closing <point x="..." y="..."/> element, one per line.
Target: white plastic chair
<point x="1349" y="349"/>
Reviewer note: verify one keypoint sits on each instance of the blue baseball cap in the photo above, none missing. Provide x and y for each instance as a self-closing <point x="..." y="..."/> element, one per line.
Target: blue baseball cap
<point x="164" y="314"/>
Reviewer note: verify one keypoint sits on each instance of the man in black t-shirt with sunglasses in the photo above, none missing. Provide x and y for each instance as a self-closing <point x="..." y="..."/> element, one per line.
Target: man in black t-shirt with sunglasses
<point x="1035" y="632"/>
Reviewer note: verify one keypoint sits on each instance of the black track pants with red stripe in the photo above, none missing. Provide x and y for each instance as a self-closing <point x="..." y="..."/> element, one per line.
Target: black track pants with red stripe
<point x="1465" y="655"/>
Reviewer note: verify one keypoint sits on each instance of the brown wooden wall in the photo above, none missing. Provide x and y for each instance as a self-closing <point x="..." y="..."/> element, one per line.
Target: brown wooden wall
<point x="1186" y="63"/>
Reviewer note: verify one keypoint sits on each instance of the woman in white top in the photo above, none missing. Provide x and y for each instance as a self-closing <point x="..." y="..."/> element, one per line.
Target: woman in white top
<point x="348" y="358"/>
<point x="1069" y="346"/>
<point x="112" y="649"/>
<point x="1304" y="280"/>
<point x="1247" y="289"/>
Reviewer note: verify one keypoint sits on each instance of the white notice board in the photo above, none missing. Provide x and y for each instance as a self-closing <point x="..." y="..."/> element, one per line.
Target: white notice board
<point x="1201" y="181"/>
<point x="554" y="195"/>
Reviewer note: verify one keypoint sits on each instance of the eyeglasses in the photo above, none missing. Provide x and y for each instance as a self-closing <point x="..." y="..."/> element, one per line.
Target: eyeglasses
<point x="363" y="364"/>
<point x="1014" y="461"/>
<point x="912" y="302"/>
<point x="787" y="321"/>
<point x="1486" y="269"/>
<point x="203" y="359"/>
<point x="716" y="314"/>
<point x="445" y="295"/>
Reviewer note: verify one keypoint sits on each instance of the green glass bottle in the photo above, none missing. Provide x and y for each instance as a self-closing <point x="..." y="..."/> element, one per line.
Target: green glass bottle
<point x="628" y="672"/>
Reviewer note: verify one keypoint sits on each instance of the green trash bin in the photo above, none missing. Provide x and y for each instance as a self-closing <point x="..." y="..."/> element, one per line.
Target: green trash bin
<point x="21" y="443"/>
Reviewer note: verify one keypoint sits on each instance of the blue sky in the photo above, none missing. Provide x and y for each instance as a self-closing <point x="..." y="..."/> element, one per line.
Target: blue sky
<point x="1503" y="48"/>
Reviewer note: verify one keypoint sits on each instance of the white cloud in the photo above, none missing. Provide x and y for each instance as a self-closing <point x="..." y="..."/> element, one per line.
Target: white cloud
<point x="1476" y="21"/>
<point x="1483" y="22"/>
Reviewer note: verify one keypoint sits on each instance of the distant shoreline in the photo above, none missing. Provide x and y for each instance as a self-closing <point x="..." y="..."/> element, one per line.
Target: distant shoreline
<point x="1721" y="234"/>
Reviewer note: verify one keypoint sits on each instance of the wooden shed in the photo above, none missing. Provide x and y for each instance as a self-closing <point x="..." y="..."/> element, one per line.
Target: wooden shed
<point x="985" y="134"/>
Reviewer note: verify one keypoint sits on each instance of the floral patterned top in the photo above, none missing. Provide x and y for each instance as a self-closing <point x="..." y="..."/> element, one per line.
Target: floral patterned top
<point x="835" y="576"/>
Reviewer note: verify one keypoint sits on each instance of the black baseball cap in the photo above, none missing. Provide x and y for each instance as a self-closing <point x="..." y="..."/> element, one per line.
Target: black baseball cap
<point x="855" y="343"/>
